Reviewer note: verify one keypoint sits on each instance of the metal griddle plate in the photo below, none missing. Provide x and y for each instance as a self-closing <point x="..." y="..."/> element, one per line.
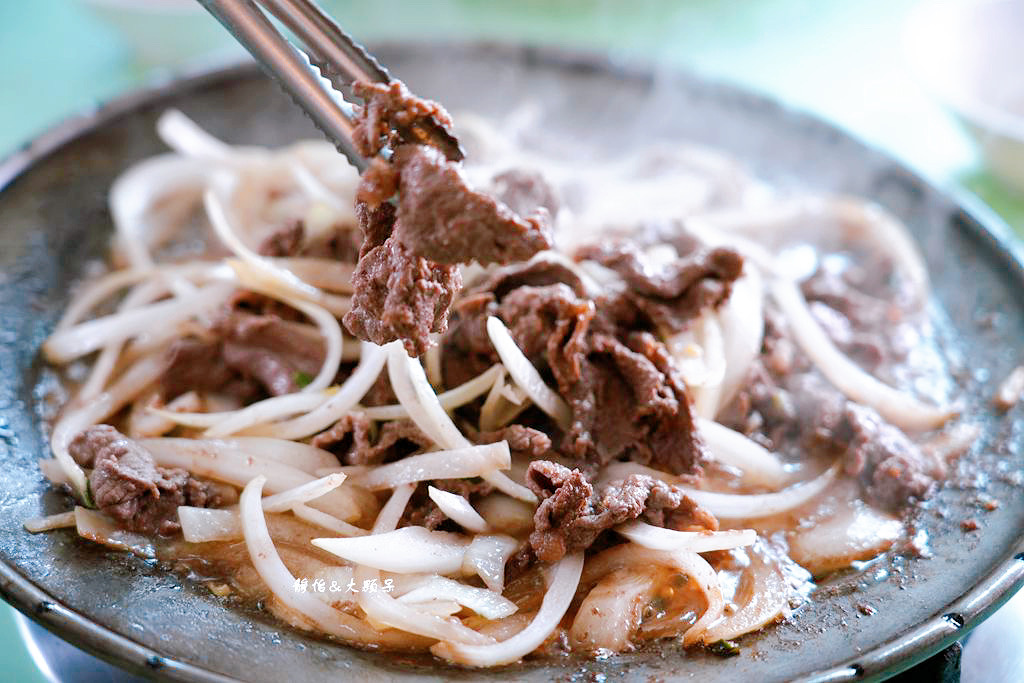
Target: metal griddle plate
<point x="53" y="220"/>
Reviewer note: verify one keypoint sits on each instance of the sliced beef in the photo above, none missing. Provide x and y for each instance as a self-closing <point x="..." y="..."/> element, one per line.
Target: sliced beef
<point x="524" y="192"/>
<point x="272" y="351"/>
<point x="627" y="399"/>
<point x="442" y="219"/>
<point x="248" y="355"/>
<point x="627" y="408"/>
<point x="860" y="324"/>
<point x="387" y="107"/>
<point x="406" y="277"/>
<point x="522" y="440"/>
<point x="285" y="241"/>
<point x="197" y="365"/>
<point x="668" y="297"/>
<point x="801" y="410"/>
<point x="340" y="244"/>
<point x="126" y="483"/>
<point x="352" y="440"/>
<point x="893" y="469"/>
<point x="467" y="349"/>
<point x="399" y="295"/>
<point x="572" y="515"/>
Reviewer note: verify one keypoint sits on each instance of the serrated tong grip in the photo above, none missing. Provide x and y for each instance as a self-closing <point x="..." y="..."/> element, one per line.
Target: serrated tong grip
<point x="319" y="72"/>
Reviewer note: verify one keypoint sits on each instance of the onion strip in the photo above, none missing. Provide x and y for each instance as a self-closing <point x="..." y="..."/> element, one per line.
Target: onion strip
<point x="61" y="520"/>
<point x="458" y="509"/>
<point x="753" y="506"/>
<point x="458" y="463"/>
<point x="658" y="538"/>
<point x="760" y="467"/>
<point x="486" y="603"/>
<point x="351" y="392"/>
<point x="525" y="375"/>
<point x="895" y="406"/>
<point x="315" y="612"/>
<point x="449" y="400"/>
<point x="409" y="382"/>
<point x="692" y="564"/>
<point x="565" y="577"/>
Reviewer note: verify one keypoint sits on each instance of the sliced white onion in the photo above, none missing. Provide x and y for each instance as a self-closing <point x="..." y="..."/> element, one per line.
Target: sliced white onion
<point x="54" y="473"/>
<point x="449" y="400"/>
<point x="762" y="596"/>
<point x="351" y="392"/>
<point x="326" y="521"/>
<point x="103" y="366"/>
<point x="185" y="137"/>
<point x="506" y="514"/>
<point x="273" y="408"/>
<point x="742" y="321"/>
<point x="251" y="277"/>
<point x="525" y="375"/>
<point x="755" y="505"/>
<point x="96" y="526"/>
<point x="382" y="608"/>
<point x="611" y="611"/>
<point x="691" y="564"/>
<point x="659" y="538"/>
<point x="281" y="502"/>
<point x="897" y="407"/>
<point x="760" y="467"/>
<point x="409" y="549"/>
<point x="565" y="577"/>
<point x="295" y="454"/>
<point x="135" y="193"/>
<point x="92" y="335"/>
<point x="502" y="405"/>
<point x="233" y="467"/>
<point x="458" y="509"/>
<point x="270" y="274"/>
<point x="458" y="463"/>
<point x="432" y="364"/>
<point x="486" y="556"/>
<point x="324" y="273"/>
<point x="1010" y="390"/>
<point x="437" y="608"/>
<point x="143" y="422"/>
<point x="60" y="520"/>
<point x="280" y="581"/>
<point x="130" y="384"/>
<point x="414" y="392"/>
<point x="854" y="531"/>
<point x="486" y="603"/>
<point x="202" y="525"/>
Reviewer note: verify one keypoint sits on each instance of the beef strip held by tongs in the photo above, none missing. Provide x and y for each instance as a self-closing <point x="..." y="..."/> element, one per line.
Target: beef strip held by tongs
<point x="320" y="73"/>
<point x="407" y="276"/>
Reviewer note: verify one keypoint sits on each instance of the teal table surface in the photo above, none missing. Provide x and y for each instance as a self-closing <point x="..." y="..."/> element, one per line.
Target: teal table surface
<point x="841" y="59"/>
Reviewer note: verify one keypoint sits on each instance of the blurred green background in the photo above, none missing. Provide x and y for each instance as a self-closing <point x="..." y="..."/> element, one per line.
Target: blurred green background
<point x="841" y="59"/>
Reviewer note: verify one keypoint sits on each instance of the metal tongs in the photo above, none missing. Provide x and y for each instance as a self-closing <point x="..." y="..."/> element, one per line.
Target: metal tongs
<point x="320" y="74"/>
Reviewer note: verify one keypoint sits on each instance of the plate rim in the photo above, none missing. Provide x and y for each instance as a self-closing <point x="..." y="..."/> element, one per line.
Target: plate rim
<point x="887" y="659"/>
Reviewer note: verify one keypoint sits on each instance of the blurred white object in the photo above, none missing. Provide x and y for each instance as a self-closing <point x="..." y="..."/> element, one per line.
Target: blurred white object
<point x="970" y="54"/>
<point x="167" y="32"/>
<point x="994" y="651"/>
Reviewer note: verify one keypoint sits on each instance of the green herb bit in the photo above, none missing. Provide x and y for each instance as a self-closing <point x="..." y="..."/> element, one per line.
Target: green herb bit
<point x="724" y="648"/>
